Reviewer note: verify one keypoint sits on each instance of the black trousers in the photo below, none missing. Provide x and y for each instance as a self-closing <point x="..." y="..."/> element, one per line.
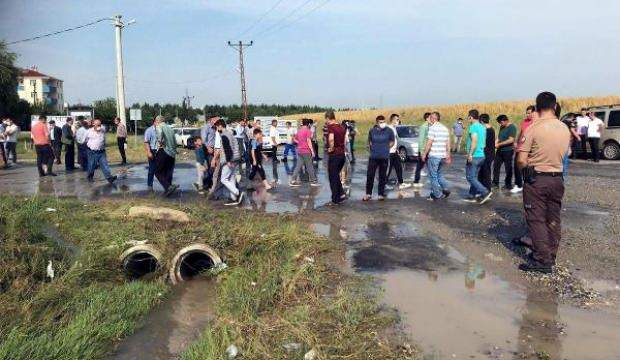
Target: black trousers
<point x="274" y="152"/>
<point x="164" y="168"/>
<point x="518" y="174"/>
<point x="11" y="151"/>
<point x="418" y="168"/>
<point x="3" y="154"/>
<point x="395" y="164"/>
<point x="56" y="148"/>
<point x="594" y="146"/>
<point x="373" y="164"/>
<point x="334" y="166"/>
<point x="258" y="169"/>
<point x="315" y="147"/>
<point x="484" y="174"/>
<point x="352" y="142"/>
<point x="503" y="158"/>
<point x="584" y="149"/>
<point x="70" y="156"/>
<point x="45" y="155"/>
<point x="121" y="141"/>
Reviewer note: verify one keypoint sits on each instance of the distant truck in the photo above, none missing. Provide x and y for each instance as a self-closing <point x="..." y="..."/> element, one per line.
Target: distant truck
<point x="265" y="124"/>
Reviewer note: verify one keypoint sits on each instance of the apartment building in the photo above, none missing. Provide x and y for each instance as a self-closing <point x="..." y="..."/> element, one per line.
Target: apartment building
<point x="38" y="88"/>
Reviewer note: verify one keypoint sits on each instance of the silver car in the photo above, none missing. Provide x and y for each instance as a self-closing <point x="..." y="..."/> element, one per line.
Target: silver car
<point x="407" y="142"/>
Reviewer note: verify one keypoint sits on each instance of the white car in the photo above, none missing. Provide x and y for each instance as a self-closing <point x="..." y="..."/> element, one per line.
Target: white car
<point x="183" y="134"/>
<point x="407" y="142"/>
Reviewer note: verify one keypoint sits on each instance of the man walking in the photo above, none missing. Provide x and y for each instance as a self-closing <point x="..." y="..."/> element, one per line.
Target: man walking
<point x="274" y="140"/>
<point x="165" y="156"/>
<point x="95" y="142"/>
<point x="68" y="140"/>
<point x="208" y="135"/>
<point x="80" y="138"/>
<point x="289" y="147"/>
<point x="121" y="139"/>
<point x="336" y="160"/>
<point x="422" y="139"/>
<point x="595" y="129"/>
<point x="151" y="146"/>
<point x="540" y="155"/>
<point x="305" y="153"/>
<point x="230" y="156"/>
<point x="394" y="161"/>
<point x="55" y="138"/>
<point x="476" y="141"/>
<point x="525" y="124"/>
<point x="485" y="175"/>
<point x="352" y="133"/>
<point x="458" y="129"/>
<point x="40" y="135"/>
<point x="11" y="131"/>
<point x="504" y="151"/>
<point x="437" y="155"/>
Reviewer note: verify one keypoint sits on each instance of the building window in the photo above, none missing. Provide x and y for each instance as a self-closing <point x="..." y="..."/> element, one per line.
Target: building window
<point x="21" y="81"/>
<point x="33" y="83"/>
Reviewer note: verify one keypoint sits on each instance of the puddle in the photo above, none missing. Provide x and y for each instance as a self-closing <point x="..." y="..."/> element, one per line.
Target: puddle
<point x="174" y="325"/>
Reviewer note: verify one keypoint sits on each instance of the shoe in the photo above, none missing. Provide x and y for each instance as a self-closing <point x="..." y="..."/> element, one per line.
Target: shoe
<point x="486" y="197"/>
<point x="516" y="190"/>
<point x="41" y="175"/>
<point x="171" y="189"/>
<point x="446" y="193"/>
<point x="470" y="199"/>
<point x="404" y="186"/>
<point x="197" y="187"/>
<point x="315" y="184"/>
<point x="524" y="241"/>
<point x="389" y="187"/>
<point x="231" y="203"/>
<point x="240" y="197"/>
<point x="285" y="159"/>
<point x="51" y="174"/>
<point x="366" y="198"/>
<point x="536" y="266"/>
<point x="418" y="185"/>
<point x="90" y="179"/>
<point x="423" y="173"/>
<point x="112" y="179"/>
<point x="294" y="184"/>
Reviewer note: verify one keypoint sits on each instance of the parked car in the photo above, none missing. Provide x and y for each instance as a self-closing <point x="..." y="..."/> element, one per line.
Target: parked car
<point x="610" y="138"/>
<point x="184" y="134"/>
<point x="407" y="142"/>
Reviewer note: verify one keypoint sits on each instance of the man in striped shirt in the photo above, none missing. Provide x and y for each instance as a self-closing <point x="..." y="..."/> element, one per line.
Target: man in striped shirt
<point x="437" y="155"/>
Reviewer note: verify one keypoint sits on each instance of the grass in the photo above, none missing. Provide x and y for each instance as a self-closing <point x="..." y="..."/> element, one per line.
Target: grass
<point x="515" y="110"/>
<point x="271" y="294"/>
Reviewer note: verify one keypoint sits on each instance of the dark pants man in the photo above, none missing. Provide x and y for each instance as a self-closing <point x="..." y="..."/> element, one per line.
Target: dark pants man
<point x="542" y="201"/>
<point x="69" y="157"/>
<point x="121" y="141"/>
<point x="518" y="175"/>
<point x="352" y="142"/>
<point x="11" y="151"/>
<point x="45" y="155"/>
<point x="594" y="147"/>
<point x="334" y="166"/>
<point x="56" y="147"/>
<point x="395" y="164"/>
<point x="315" y="146"/>
<point x="504" y="157"/>
<point x="3" y="155"/>
<point x="83" y="156"/>
<point x="151" y="170"/>
<point x="584" y="149"/>
<point x="484" y="174"/>
<point x="418" y="169"/>
<point x="373" y="164"/>
<point x="164" y="168"/>
<point x="274" y="153"/>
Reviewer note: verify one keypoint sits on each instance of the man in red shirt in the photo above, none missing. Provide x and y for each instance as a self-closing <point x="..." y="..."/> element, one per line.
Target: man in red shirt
<point x="40" y="136"/>
<point x="335" y="150"/>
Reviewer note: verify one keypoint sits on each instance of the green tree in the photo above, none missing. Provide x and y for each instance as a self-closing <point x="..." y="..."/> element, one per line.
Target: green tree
<point x="105" y="110"/>
<point x="8" y="81"/>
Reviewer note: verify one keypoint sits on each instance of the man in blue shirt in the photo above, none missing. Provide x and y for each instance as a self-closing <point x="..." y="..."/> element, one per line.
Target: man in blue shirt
<point x="476" y="141"/>
<point x="151" y="146"/>
<point x="380" y="140"/>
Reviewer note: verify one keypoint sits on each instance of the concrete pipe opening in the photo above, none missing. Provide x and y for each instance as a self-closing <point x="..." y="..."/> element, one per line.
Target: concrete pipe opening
<point x="193" y="261"/>
<point x="140" y="260"/>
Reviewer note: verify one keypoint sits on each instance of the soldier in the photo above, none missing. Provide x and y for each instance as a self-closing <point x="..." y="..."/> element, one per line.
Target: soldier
<point x="541" y="150"/>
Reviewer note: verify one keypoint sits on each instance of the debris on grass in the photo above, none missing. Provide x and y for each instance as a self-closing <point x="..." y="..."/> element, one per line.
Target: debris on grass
<point x="232" y="351"/>
<point x="310" y="355"/>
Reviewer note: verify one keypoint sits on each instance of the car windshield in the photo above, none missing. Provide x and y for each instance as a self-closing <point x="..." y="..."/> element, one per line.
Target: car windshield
<point x="406" y="131"/>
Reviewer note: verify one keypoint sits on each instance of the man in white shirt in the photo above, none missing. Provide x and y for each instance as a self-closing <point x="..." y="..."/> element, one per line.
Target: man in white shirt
<point x="582" y="131"/>
<point x="274" y="136"/>
<point x="395" y="162"/>
<point x="10" y="133"/>
<point x="437" y="154"/>
<point x="289" y="147"/>
<point x="595" y="129"/>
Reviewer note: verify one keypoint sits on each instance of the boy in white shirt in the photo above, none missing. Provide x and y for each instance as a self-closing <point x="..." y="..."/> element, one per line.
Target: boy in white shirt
<point x="594" y="131"/>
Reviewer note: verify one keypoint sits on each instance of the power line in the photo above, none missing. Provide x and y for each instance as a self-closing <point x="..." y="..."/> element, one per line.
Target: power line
<point x="261" y="18"/>
<point x="58" y="32"/>
<point x="284" y="26"/>
<point x="290" y="14"/>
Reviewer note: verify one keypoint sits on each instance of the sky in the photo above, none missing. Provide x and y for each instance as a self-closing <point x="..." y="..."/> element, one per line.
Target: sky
<point x="340" y="53"/>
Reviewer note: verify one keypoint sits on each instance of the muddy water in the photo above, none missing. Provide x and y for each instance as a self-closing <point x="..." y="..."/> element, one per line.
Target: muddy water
<point x="454" y="308"/>
<point x="170" y="329"/>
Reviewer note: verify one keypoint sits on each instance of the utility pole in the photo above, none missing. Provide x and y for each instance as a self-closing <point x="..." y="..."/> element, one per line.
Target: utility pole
<point x="244" y="98"/>
<point x="187" y="104"/>
<point x="120" y="78"/>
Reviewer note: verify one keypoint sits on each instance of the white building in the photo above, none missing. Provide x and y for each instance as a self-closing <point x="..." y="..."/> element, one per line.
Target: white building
<point x="38" y="88"/>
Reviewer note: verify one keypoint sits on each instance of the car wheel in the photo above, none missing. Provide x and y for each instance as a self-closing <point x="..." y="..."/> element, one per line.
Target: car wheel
<point x="611" y="151"/>
<point x="402" y="153"/>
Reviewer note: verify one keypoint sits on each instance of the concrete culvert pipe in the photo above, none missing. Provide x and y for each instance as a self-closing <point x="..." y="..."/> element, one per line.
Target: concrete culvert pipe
<point x="191" y="261"/>
<point x="140" y="260"/>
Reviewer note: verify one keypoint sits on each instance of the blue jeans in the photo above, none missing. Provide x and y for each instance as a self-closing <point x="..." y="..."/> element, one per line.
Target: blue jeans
<point x="435" y="174"/>
<point x="289" y="148"/>
<point x="151" y="174"/>
<point x="565" y="163"/>
<point x="98" y="159"/>
<point x="471" y="173"/>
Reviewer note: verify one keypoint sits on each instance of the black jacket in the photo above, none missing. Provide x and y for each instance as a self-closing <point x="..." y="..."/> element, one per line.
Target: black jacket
<point x="57" y="134"/>
<point x="67" y="135"/>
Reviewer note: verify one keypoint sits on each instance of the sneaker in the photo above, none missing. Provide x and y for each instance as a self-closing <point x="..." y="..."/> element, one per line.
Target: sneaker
<point x="446" y="193"/>
<point x="389" y="187"/>
<point x="418" y="185"/>
<point x="536" y="266"/>
<point x="516" y="190"/>
<point x="486" y="197"/>
<point x="404" y="186"/>
<point x="240" y="197"/>
<point x="366" y="198"/>
<point x="231" y="203"/>
<point x="470" y="199"/>
<point x="315" y="184"/>
<point x="294" y="184"/>
<point x="423" y="173"/>
<point x="112" y="179"/>
<point x="380" y="197"/>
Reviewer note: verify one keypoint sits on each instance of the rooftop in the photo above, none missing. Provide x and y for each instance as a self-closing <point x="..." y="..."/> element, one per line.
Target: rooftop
<point x="34" y="72"/>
